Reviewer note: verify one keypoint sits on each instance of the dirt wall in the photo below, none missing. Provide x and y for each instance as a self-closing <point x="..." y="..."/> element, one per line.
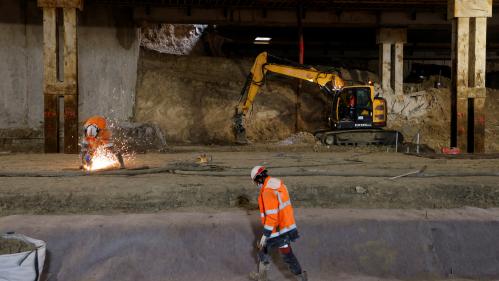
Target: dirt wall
<point x="193" y="99"/>
<point x="428" y="113"/>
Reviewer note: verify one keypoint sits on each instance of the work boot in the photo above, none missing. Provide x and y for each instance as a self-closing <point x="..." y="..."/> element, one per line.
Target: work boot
<point x="302" y="276"/>
<point x="261" y="275"/>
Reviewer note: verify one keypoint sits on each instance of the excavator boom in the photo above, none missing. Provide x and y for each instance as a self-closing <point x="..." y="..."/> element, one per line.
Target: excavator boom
<point x="328" y="81"/>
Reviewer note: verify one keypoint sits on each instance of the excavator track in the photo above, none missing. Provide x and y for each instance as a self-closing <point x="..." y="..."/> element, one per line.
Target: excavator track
<point x="359" y="137"/>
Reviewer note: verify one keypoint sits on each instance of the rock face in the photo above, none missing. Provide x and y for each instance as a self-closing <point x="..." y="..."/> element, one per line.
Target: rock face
<point x="139" y="137"/>
<point x="175" y="39"/>
<point x="427" y="111"/>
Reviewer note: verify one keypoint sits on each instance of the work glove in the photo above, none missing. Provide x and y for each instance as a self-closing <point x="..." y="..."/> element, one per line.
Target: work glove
<point x="262" y="243"/>
<point x="88" y="158"/>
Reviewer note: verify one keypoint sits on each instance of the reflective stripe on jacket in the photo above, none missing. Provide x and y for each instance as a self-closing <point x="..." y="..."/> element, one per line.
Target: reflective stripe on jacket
<point x="276" y="211"/>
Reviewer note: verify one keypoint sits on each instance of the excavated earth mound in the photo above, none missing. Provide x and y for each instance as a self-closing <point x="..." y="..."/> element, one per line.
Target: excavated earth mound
<point x="427" y="112"/>
<point x="193" y="100"/>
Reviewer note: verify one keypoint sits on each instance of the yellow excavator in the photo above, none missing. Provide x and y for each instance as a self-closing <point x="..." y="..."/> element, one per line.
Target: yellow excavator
<point x="357" y="115"/>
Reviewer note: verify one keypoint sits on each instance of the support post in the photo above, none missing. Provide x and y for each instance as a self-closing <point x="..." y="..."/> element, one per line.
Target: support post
<point x="391" y="59"/>
<point x="71" y="82"/>
<point x="301" y="54"/>
<point x="399" y="69"/>
<point x="68" y="88"/>
<point x="51" y="122"/>
<point x="468" y="92"/>
<point x="386" y="67"/>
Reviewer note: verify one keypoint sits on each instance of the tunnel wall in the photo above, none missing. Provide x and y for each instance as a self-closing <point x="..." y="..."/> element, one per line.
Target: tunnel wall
<point x="369" y="245"/>
<point x="108" y="49"/>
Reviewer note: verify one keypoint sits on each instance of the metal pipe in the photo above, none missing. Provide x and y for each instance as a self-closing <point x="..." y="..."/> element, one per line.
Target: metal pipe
<point x="417" y="144"/>
<point x="397" y="142"/>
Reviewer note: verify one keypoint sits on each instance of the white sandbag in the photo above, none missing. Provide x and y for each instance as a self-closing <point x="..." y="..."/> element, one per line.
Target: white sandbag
<point x="24" y="266"/>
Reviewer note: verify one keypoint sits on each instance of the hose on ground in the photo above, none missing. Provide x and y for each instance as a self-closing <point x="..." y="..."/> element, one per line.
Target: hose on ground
<point x="209" y="171"/>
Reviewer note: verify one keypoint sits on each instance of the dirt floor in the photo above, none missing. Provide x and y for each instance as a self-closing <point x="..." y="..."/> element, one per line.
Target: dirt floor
<point x="364" y="214"/>
<point x="358" y="178"/>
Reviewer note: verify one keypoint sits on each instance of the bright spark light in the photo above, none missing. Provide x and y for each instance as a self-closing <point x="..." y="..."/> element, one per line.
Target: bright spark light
<point x="102" y="159"/>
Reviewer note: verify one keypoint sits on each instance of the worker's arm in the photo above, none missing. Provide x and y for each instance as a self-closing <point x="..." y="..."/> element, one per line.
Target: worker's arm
<point x="271" y="212"/>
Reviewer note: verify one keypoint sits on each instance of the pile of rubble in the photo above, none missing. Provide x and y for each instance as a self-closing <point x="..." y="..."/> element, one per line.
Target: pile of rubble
<point x="138" y="137"/>
<point x="299" y="138"/>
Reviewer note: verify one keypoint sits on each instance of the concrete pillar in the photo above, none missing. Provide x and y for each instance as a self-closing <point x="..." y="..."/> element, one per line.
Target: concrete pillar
<point x="469" y="31"/>
<point x="391" y="59"/>
<point x="53" y="88"/>
<point x="399" y="69"/>
<point x="385" y="70"/>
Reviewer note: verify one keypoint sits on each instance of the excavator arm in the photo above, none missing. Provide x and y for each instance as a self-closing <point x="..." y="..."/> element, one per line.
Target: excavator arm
<point x="327" y="81"/>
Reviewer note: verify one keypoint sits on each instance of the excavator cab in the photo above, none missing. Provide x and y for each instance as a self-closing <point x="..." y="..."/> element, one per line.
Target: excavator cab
<point x="356" y="107"/>
<point x="357" y="115"/>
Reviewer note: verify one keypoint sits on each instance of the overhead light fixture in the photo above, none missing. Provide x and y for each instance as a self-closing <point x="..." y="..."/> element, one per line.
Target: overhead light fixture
<point x="262" y="40"/>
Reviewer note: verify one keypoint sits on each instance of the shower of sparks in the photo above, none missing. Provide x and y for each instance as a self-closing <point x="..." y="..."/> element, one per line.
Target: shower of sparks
<point x="102" y="159"/>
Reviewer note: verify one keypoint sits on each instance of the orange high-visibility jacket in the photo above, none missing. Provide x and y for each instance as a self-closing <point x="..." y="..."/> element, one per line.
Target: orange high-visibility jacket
<point x="276" y="211"/>
<point x="103" y="137"/>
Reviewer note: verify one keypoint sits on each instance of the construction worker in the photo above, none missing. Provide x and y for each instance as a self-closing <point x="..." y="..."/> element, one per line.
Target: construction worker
<point x="97" y="135"/>
<point x="352" y="103"/>
<point x="279" y="227"/>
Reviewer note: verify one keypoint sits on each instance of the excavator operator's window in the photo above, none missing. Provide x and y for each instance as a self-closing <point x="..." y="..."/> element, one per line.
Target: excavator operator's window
<point x="363" y="101"/>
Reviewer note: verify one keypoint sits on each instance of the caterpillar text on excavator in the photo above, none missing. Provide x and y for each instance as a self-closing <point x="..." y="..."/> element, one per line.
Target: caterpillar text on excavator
<point x="357" y="115"/>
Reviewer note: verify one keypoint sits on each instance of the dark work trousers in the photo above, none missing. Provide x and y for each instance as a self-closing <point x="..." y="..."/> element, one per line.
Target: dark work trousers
<point x="284" y="246"/>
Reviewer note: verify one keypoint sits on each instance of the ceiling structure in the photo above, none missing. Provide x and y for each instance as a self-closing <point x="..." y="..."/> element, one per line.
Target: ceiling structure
<point x="333" y="29"/>
<point x="279" y="4"/>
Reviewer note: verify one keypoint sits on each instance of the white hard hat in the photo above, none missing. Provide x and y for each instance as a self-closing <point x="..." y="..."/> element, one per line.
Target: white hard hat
<point x="256" y="171"/>
<point x="91" y="131"/>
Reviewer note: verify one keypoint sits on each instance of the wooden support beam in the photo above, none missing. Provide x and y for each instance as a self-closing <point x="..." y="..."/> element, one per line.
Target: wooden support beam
<point x="461" y="79"/>
<point x="68" y="88"/>
<point x="391" y="59"/>
<point x="51" y="127"/>
<point x="71" y="124"/>
<point x="469" y="30"/>
<point x="478" y="33"/>
<point x="51" y="123"/>
<point x="77" y="4"/>
<point x="70" y="81"/>
<point x="70" y="50"/>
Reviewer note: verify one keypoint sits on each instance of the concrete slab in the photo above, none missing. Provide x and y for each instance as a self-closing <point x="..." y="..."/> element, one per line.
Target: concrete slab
<point x="334" y="245"/>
